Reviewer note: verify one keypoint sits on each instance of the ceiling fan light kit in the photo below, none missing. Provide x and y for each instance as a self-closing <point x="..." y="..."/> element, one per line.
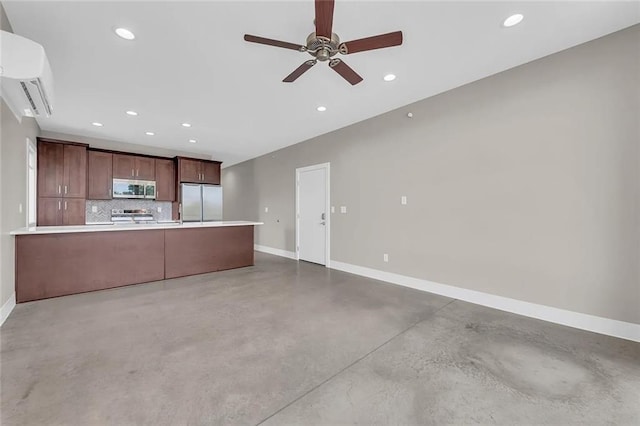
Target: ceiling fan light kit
<point x="323" y="45"/>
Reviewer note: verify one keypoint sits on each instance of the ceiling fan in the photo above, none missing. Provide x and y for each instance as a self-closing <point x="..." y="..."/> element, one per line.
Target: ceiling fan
<point x="323" y="45"/>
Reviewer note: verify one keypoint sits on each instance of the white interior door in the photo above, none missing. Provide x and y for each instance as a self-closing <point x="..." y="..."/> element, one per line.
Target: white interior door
<point x="312" y="214"/>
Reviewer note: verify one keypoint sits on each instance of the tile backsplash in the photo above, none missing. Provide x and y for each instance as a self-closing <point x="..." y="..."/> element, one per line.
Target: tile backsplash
<point x="104" y="207"/>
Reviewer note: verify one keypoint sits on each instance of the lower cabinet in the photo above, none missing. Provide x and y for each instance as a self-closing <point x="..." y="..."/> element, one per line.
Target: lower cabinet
<point x="61" y="211"/>
<point x="57" y="264"/>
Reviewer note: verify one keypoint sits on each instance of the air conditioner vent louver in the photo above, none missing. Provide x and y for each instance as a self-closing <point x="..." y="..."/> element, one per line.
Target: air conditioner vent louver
<point x="34" y="108"/>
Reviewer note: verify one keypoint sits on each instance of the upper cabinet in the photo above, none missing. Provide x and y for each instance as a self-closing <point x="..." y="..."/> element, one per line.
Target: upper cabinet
<point x="62" y="170"/>
<point x="211" y="172"/>
<point x="165" y="180"/>
<point x="100" y="181"/>
<point x="50" y="169"/>
<point x="133" y="167"/>
<point x="198" y="171"/>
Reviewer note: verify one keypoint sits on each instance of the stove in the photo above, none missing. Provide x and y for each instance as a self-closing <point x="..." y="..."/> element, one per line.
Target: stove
<point x="128" y="216"/>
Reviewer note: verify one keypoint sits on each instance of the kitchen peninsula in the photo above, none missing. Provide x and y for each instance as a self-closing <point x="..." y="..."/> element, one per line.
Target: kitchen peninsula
<point x="61" y="260"/>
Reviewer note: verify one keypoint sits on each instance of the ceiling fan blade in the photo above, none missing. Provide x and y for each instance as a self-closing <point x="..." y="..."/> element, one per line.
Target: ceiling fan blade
<point x="299" y="71"/>
<point x="276" y="43"/>
<point x="370" y="43"/>
<point x="345" y="71"/>
<point x="324" y="18"/>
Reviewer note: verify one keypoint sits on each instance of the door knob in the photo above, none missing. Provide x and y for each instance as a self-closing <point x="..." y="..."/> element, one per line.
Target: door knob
<point x="322" y="216"/>
<point x="322" y="223"/>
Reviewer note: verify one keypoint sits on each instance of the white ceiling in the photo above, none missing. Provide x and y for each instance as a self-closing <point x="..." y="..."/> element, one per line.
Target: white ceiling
<point x="189" y="63"/>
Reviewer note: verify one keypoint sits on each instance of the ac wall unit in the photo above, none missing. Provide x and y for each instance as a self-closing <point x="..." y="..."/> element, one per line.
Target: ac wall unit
<point x="25" y="74"/>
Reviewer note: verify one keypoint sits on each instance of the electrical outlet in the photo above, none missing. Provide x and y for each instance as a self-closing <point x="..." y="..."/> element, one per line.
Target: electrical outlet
<point x="385" y="257"/>
<point x="333" y="209"/>
<point x="159" y="209"/>
<point x="343" y="209"/>
<point x="266" y="209"/>
<point x="94" y="209"/>
<point x="403" y="200"/>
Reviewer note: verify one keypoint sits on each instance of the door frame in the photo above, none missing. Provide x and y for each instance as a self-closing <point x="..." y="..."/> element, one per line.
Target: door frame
<point x="327" y="238"/>
<point x="32" y="199"/>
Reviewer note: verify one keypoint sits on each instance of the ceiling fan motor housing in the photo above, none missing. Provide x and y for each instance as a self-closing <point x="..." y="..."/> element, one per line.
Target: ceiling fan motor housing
<point x="322" y="48"/>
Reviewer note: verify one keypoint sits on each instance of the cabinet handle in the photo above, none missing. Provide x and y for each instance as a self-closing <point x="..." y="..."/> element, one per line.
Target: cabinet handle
<point x="132" y="173"/>
<point x="65" y="205"/>
<point x="59" y="205"/>
<point x="65" y="189"/>
<point x="59" y="189"/>
<point x="109" y="192"/>
<point x="138" y="172"/>
<point x="203" y="176"/>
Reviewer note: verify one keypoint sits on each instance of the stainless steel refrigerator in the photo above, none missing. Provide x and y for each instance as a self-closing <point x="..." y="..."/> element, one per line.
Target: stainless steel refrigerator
<point x="201" y="203"/>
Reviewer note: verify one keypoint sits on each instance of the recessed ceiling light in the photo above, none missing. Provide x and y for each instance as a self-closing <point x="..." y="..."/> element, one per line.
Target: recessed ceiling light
<point x="192" y="140"/>
<point x="513" y="20"/>
<point x="125" y="33"/>
<point x="389" y="77"/>
<point x="321" y="108"/>
<point x="95" y="123"/>
<point x="186" y="125"/>
<point x="149" y="133"/>
<point x="132" y="113"/>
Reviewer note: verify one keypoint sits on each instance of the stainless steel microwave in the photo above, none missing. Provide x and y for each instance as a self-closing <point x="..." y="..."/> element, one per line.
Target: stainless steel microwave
<point x="126" y="188"/>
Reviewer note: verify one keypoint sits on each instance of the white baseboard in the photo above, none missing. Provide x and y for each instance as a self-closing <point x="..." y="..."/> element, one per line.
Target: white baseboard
<point x="277" y="252"/>
<point x="610" y="327"/>
<point x="7" y="308"/>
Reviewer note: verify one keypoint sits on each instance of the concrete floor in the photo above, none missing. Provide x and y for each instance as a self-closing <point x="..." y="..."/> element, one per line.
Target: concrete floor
<point x="288" y="343"/>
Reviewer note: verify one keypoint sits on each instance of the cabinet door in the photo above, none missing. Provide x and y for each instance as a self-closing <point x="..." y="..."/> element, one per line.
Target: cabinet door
<point x="73" y="211"/>
<point x="165" y="180"/>
<point x="211" y="172"/>
<point x="50" y="169"/>
<point x="190" y="170"/>
<point x="145" y="168"/>
<point x="124" y="166"/>
<point x="100" y="175"/>
<point x="75" y="172"/>
<point x="49" y="211"/>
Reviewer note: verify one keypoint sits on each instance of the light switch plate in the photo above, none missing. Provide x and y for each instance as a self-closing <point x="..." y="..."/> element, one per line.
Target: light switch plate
<point x="266" y="209"/>
<point x="94" y="209"/>
<point x="343" y="209"/>
<point x="403" y="199"/>
<point x="20" y="208"/>
<point x="333" y="209"/>
<point x="385" y="257"/>
<point x="159" y="209"/>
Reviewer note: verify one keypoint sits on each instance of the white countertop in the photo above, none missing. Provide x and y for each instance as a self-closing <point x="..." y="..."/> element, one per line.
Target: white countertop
<point x="128" y="227"/>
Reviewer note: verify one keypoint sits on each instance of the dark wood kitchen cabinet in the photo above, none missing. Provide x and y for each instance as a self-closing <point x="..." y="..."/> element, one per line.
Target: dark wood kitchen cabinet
<point x="61" y="211"/>
<point x="49" y="211"/>
<point x="211" y="172"/>
<point x="100" y="175"/>
<point x="145" y="168"/>
<point x="198" y="171"/>
<point x="189" y="170"/>
<point x="133" y="167"/>
<point x="62" y="170"/>
<point x="62" y="182"/>
<point x="50" y="169"/>
<point x="75" y="171"/>
<point x="73" y="211"/>
<point x="165" y="180"/>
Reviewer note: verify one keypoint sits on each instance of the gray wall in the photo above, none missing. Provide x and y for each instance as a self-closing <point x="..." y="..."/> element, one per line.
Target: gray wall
<point x="13" y="183"/>
<point x="525" y="184"/>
